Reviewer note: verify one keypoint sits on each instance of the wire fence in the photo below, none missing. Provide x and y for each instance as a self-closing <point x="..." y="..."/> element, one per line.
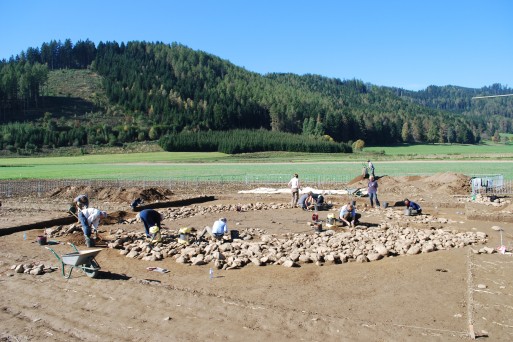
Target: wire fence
<point x="503" y="188"/>
<point x="15" y="188"/>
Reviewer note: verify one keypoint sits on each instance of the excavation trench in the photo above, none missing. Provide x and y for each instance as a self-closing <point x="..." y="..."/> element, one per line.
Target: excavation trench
<point x="113" y="217"/>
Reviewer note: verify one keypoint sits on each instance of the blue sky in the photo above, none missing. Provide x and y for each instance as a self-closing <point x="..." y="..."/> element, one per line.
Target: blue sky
<point x="404" y="43"/>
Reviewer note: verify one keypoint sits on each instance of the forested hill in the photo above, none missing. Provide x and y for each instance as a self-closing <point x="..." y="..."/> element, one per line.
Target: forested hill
<point x="462" y="100"/>
<point x="146" y="91"/>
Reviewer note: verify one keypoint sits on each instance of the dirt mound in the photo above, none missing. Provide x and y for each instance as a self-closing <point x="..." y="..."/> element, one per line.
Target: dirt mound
<point x="356" y="180"/>
<point x="112" y="194"/>
<point x="448" y="183"/>
<point x="426" y="187"/>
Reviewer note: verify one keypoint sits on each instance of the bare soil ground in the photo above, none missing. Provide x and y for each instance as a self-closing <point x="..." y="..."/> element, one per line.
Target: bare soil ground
<point x="425" y="297"/>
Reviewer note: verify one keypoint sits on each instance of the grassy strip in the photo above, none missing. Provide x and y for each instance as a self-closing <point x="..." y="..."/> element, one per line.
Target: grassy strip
<point x="318" y="170"/>
<point x="485" y="150"/>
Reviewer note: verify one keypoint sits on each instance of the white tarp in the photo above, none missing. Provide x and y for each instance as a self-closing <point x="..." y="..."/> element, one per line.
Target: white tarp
<point x="304" y="190"/>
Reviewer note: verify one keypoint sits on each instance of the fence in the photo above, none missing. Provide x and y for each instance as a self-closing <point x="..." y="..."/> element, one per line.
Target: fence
<point x="502" y="188"/>
<point x="487" y="184"/>
<point x="40" y="187"/>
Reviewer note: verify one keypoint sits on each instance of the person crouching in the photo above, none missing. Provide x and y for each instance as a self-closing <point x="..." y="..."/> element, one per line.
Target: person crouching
<point x="348" y="215"/>
<point x="90" y="220"/>
<point x="219" y="228"/>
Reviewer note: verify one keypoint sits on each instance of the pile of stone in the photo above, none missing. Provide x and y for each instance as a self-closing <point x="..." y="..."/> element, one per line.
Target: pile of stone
<point x="489" y="200"/>
<point x="359" y="244"/>
<point x="195" y="210"/>
<point x="63" y="230"/>
<point x="34" y="269"/>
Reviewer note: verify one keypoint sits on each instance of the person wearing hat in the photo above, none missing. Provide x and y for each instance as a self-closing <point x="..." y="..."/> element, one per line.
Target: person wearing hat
<point x="413" y="206"/>
<point x="219" y="228"/>
<point x="90" y="220"/>
<point x="150" y="218"/>
<point x="81" y="201"/>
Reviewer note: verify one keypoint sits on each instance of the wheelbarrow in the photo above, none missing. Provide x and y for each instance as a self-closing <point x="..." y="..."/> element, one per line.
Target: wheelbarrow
<point x="355" y="192"/>
<point x="85" y="260"/>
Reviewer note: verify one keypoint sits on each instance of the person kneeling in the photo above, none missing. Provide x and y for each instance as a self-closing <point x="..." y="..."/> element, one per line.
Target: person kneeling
<point x="414" y="207"/>
<point x="219" y="228"/>
<point x="348" y="215"/>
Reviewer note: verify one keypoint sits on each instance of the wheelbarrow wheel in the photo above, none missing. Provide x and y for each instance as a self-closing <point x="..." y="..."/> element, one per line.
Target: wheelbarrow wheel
<point x="91" y="273"/>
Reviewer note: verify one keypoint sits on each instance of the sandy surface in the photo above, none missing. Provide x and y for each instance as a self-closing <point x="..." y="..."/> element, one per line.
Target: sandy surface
<point x="424" y="297"/>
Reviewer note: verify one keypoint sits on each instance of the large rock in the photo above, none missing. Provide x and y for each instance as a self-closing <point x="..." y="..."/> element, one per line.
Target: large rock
<point x="381" y="250"/>
<point x="415" y="249"/>
<point x="133" y="253"/>
<point x="361" y="258"/>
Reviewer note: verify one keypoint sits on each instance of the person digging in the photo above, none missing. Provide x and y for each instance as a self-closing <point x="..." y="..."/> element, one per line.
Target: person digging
<point x="90" y="220"/>
<point x="152" y="224"/>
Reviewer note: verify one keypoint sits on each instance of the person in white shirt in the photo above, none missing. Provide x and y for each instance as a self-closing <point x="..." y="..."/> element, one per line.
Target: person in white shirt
<point x="90" y="219"/>
<point x="370" y="168"/>
<point x="219" y="228"/>
<point x="348" y="215"/>
<point x="294" y="188"/>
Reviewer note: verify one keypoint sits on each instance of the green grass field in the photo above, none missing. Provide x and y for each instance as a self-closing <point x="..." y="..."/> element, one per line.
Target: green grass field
<point x="485" y="150"/>
<point x="218" y="166"/>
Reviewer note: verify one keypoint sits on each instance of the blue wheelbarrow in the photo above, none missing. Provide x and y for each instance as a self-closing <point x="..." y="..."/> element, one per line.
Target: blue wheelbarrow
<point x="85" y="260"/>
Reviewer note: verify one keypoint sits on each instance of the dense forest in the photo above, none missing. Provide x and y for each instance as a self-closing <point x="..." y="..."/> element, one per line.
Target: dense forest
<point x="170" y="92"/>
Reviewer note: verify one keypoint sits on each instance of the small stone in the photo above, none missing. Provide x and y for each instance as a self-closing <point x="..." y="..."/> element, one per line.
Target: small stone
<point x="361" y="258"/>
<point x="36" y="271"/>
<point x="481" y="286"/>
<point x="415" y="249"/>
<point x="19" y="269"/>
<point x="488" y="250"/>
<point x="374" y="256"/>
<point x="167" y="318"/>
<point x="289" y="263"/>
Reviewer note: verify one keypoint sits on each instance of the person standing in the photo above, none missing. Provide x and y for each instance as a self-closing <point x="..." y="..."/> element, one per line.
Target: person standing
<point x="372" y="190"/>
<point x="370" y="168"/>
<point x="294" y="189"/>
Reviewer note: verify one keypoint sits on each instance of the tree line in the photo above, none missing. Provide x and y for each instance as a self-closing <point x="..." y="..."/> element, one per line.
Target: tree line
<point x="247" y="141"/>
<point x="158" y="90"/>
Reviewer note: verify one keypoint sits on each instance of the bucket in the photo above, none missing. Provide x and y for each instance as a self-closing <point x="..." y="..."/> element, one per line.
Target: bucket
<point x="41" y="239"/>
<point x="330" y="220"/>
<point x="234" y="234"/>
<point x="385" y="205"/>
<point x="317" y="227"/>
<point x="184" y="238"/>
<point x="407" y="212"/>
<point x="353" y="203"/>
<point x="315" y="217"/>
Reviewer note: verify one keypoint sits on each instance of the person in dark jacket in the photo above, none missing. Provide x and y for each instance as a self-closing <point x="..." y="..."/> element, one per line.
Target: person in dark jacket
<point x="413" y="206"/>
<point x="150" y="218"/>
